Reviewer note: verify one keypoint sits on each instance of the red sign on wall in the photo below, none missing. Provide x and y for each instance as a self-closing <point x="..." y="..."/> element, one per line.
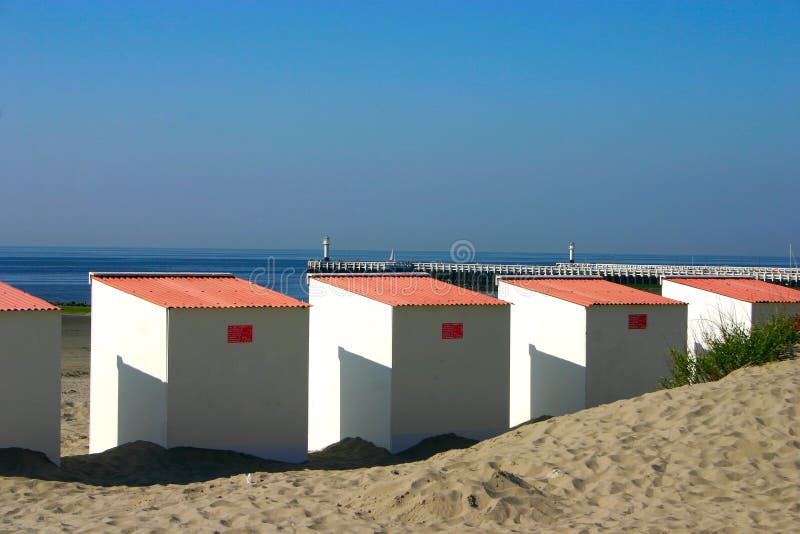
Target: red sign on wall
<point x="240" y="333"/>
<point x="452" y="330"/>
<point x="637" y="321"/>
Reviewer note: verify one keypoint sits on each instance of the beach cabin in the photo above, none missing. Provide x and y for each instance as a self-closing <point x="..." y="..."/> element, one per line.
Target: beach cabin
<point x="724" y="301"/>
<point x="30" y="373"/>
<point x="396" y="359"/>
<point x="198" y="360"/>
<point x="578" y="343"/>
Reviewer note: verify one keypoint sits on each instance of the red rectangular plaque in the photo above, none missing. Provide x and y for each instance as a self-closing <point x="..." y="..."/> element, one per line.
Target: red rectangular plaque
<point x="240" y="333"/>
<point x="637" y="321"/>
<point x="452" y="330"/>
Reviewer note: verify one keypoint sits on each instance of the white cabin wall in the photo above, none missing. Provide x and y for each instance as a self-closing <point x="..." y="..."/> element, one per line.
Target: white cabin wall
<point x="442" y="386"/>
<point x="30" y="381"/>
<point x="246" y="397"/>
<point x="128" y="369"/>
<point x="707" y="312"/>
<point x="547" y="354"/>
<point x="623" y="362"/>
<point x="764" y="311"/>
<point x="346" y="327"/>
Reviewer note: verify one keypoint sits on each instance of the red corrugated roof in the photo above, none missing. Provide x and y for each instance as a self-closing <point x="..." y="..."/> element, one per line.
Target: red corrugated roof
<point x="593" y="292"/>
<point x="410" y="290"/>
<point x="13" y="299"/>
<point x="746" y="289"/>
<point x="198" y="291"/>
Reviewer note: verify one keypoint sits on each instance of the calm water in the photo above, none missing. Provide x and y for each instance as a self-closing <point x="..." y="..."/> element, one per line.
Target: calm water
<point x="61" y="274"/>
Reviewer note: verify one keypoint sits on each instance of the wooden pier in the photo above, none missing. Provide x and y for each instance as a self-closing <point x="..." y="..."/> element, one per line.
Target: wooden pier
<point x="483" y="276"/>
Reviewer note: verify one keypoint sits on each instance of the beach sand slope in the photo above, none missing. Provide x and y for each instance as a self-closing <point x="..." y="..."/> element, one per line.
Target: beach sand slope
<point x="720" y="457"/>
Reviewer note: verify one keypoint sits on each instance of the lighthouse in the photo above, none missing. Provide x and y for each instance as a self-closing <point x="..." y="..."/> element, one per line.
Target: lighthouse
<point x="326" y="244"/>
<point x="571" y="252"/>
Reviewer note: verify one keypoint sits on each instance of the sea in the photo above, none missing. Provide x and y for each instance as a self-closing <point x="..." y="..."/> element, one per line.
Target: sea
<point x="61" y="274"/>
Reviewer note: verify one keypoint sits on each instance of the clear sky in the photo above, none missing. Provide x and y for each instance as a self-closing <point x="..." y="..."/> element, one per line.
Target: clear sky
<point x="652" y="127"/>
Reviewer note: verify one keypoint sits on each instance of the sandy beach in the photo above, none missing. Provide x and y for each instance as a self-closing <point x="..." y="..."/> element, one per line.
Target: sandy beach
<point x="722" y="457"/>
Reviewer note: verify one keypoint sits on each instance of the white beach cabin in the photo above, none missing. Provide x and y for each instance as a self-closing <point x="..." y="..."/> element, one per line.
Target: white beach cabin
<point x="396" y="359"/>
<point x="30" y="373"/>
<point x="578" y="343"/>
<point x="725" y="301"/>
<point x="198" y="360"/>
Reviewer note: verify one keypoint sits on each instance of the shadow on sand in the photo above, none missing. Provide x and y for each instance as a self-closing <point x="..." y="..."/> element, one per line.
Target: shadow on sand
<point x="143" y="463"/>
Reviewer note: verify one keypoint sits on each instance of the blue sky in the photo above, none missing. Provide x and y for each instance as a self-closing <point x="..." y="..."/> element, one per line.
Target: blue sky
<point x="652" y="127"/>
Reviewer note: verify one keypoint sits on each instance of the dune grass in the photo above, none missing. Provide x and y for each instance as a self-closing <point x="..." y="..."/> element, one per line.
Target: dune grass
<point x="734" y="347"/>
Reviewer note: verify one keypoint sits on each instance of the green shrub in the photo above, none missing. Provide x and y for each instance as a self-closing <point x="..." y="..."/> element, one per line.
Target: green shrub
<point x="733" y="347"/>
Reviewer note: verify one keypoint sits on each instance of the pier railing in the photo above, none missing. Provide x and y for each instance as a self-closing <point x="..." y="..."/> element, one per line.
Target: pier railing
<point x="482" y="276"/>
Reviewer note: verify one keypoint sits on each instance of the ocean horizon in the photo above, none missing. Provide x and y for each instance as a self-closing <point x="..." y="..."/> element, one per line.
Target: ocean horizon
<point x="60" y="274"/>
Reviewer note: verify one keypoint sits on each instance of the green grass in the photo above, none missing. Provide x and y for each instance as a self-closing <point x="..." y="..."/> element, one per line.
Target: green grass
<point x="74" y="308"/>
<point x="735" y="347"/>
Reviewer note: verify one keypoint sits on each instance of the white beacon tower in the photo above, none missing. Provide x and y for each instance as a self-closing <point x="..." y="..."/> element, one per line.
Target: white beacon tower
<point x="326" y="244"/>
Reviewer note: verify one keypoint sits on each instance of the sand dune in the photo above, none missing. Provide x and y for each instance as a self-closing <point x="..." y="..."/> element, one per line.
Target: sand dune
<point x="719" y="457"/>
